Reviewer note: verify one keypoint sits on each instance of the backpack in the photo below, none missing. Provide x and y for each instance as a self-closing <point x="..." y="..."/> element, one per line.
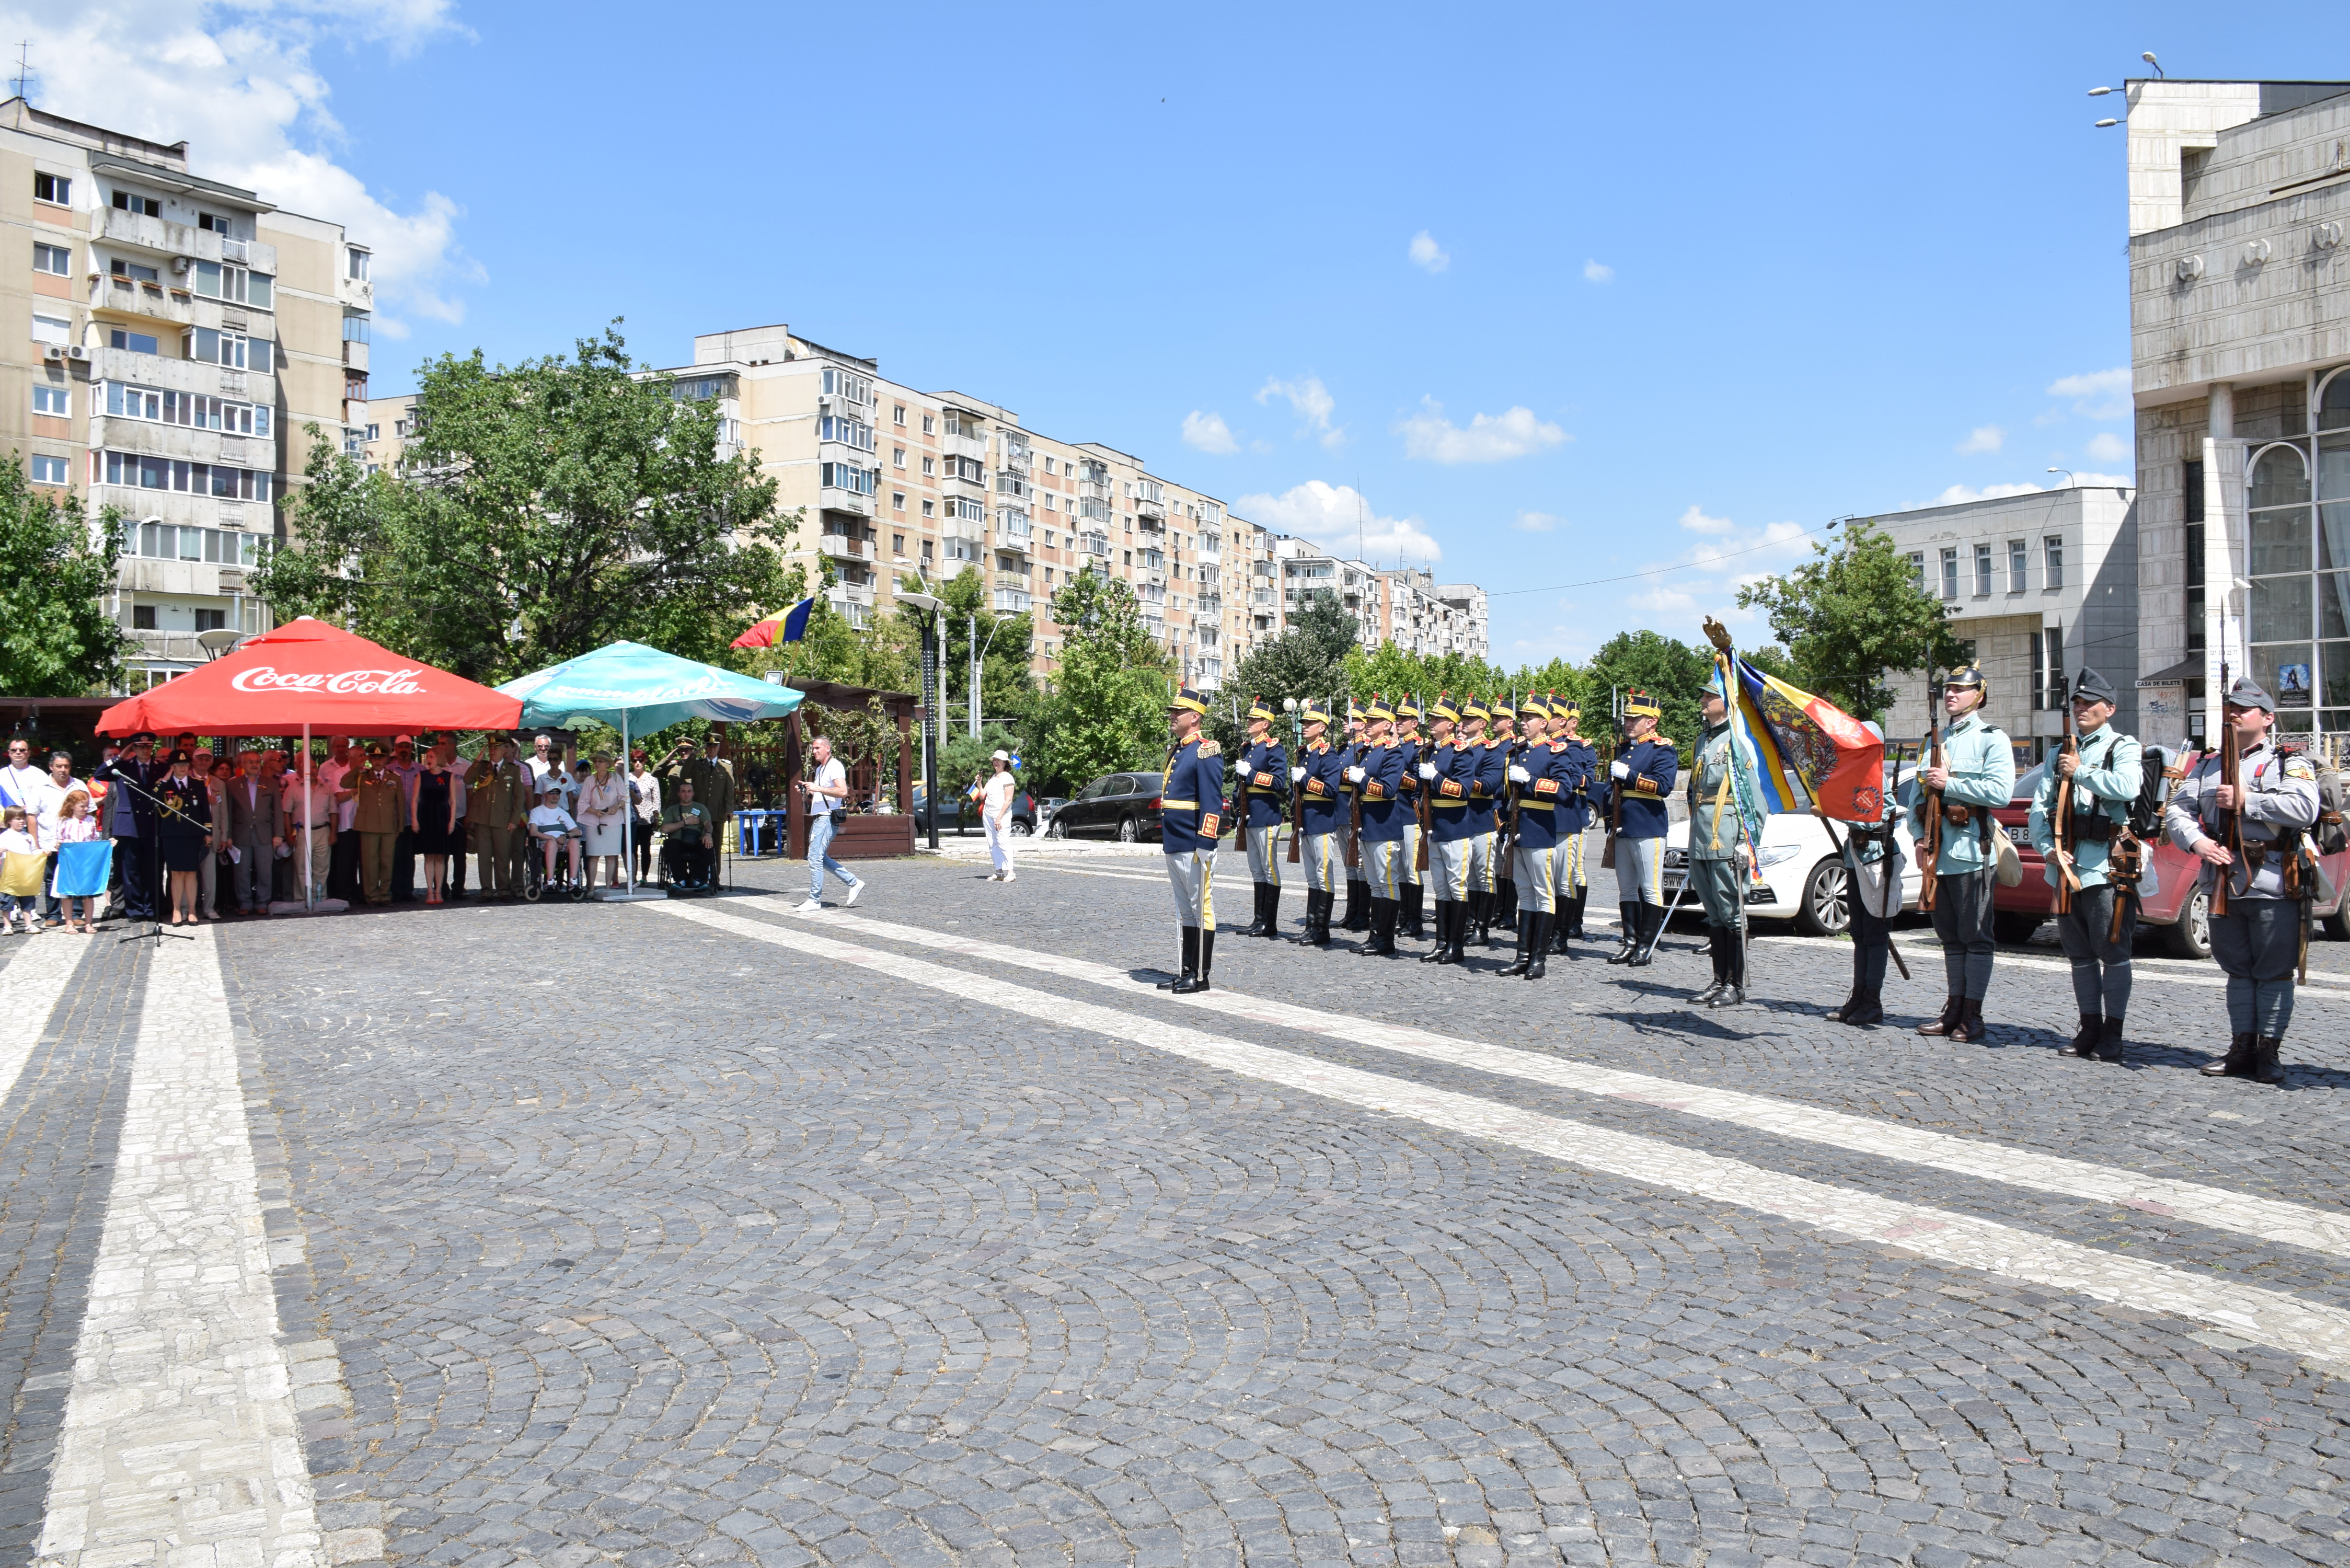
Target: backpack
<point x="2146" y="808"/>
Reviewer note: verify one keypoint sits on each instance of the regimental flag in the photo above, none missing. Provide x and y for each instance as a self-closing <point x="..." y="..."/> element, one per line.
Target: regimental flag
<point x="1808" y="751"/>
<point x="789" y="626"/>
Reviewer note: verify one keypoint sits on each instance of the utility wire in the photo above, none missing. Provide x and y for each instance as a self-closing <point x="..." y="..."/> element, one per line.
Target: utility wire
<point x="1661" y="571"/>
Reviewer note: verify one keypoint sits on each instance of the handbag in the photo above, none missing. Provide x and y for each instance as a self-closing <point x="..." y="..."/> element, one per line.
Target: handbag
<point x="2007" y="865"/>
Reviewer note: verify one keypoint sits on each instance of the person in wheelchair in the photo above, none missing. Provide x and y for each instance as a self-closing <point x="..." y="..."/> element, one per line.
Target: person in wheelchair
<point x="689" y="842"/>
<point x="551" y="827"/>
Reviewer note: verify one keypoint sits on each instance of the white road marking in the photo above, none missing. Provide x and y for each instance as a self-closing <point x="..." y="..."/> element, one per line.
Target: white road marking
<point x="36" y="978"/>
<point x="179" y="1443"/>
<point x="2269" y="1317"/>
<point x="2294" y="1224"/>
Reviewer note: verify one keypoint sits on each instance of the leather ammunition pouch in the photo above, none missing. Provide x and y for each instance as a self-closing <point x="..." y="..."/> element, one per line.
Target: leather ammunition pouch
<point x="2093" y="828"/>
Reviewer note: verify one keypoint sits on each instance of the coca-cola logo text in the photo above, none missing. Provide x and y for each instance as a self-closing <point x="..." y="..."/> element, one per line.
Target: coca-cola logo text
<point x="342" y="683"/>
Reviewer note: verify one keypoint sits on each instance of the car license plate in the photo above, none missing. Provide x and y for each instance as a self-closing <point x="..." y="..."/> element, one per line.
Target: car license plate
<point x="1674" y="879"/>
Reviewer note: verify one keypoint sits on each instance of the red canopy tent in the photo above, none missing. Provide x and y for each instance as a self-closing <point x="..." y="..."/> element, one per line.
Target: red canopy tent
<point x="313" y="677"/>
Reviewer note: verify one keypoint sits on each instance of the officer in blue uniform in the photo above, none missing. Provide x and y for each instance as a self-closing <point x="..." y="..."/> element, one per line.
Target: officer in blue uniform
<point x="1444" y="772"/>
<point x="1501" y="908"/>
<point x="1571" y="876"/>
<point x="1192" y="793"/>
<point x="1639" y="782"/>
<point x="1539" y="770"/>
<point x="1263" y="779"/>
<point x="1412" y="915"/>
<point x="1377" y="778"/>
<point x="1358" y="914"/>
<point x="1320" y="776"/>
<point x="1483" y="766"/>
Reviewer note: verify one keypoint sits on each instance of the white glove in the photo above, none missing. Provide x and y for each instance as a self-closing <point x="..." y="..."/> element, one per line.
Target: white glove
<point x="1297" y="775"/>
<point x="1354" y="775"/>
<point x="1617" y="769"/>
<point x="1427" y="772"/>
<point x="1520" y="776"/>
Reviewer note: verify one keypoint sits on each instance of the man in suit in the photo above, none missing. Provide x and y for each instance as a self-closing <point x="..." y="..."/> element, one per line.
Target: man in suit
<point x="257" y="826"/>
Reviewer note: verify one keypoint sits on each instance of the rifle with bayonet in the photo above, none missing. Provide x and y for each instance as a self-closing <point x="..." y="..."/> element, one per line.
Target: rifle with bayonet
<point x="2232" y="831"/>
<point x="2060" y="823"/>
<point x="1296" y="789"/>
<point x="1929" y="848"/>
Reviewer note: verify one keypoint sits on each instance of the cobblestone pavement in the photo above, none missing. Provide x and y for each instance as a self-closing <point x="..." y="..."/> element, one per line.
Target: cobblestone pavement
<point x="928" y="1232"/>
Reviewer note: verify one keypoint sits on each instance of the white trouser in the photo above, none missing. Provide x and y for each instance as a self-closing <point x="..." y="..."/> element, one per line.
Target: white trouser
<point x="1382" y="867"/>
<point x="1322" y="870"/>
<point x="1192" y="874"/>
<point x="999" y="842"/>
<point x="1263" y="854"/>
<point x="1449" y="861"/>
<point x="1533" y="870"/>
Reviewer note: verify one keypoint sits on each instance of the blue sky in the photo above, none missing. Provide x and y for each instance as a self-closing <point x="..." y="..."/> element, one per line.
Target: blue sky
<point x="1561" y="292"/>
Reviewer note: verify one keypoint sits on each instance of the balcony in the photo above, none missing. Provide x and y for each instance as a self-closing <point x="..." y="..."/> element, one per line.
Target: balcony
<point x="1152" y="509"/>
<point x="357" y="293"/>
<point x="181" y="441"/>
<point x="181" y="375"/>
<point x="1095" y="545"/>
<point x="852" y="593"/>
<point x="1208" y="605"/>
<point x="963" y="446"/>
<point x="158" y="302"/>
<point x="842" y="547"/>
<point x="833" y="498"/>
<point x="1151" y="524"/>
<point x="1262" y="596"/>
<point x="1007" y="539"/>
<point x="1014" y="601"/>
<point x="966" y="528"/>
<point x="355" y="356"/>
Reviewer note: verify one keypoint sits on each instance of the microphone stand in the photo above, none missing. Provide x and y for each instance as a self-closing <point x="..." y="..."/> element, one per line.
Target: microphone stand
<point x="158" y="887"/>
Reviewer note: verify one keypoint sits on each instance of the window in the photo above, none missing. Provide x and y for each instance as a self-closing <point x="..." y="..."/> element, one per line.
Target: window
<point x="143" y="471"/>
<point x="375" y="432"/>
<point x="230" y="350"/>
<point x="849" y="477"/>
<point x="929" y="424"/>
<point x="142" y="618"/>
<point x="51" y="329"/>
<point x="48" y="470"/>
<point x="968" y="468"/>
<point x="239" y="286"/>
<point x="1950" y="573"/>
<point x="56" y="401"/>
<point x="55" y="188"/>
<point x="55" y="260"/>
<point x="124" y="400"/>
<point x="964" y="509"/>
<point x="926" y="544"/>
<point x="355" y="264"/>
<point x="848" y="431"/>
<point x="898" y="504"/>
<point x="212" y="222"/>
<point x="357" y="329"/>
<point x="929" y="509"/>
<point x="930" y="465"/>
<point x="896" y="457"/>
<point x="165" y="542"/>
<point x="2018" y="559"/>
<point x="2053" y="695"/>
<point x="898" y="541"/>
<point x="848" y="388"/>
<point x="1982" y="570"/>
<point x="136" y="342"/>
<point x="2052" y="554"/>
<point x="145" y="206"/>
<point x="897" y="415"/>
<point x="211" y="619"/>
<point x="134" y="271"/>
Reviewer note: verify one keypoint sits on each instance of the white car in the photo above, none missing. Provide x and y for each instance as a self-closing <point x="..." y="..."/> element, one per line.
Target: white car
<point x="1802" y="879"/>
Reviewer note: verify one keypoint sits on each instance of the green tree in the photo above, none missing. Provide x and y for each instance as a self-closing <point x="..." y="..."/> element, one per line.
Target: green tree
<point x="56" y="571"/>
<point x="1851" y="614"/>
<point x="1107" y="707"/>
<point x="1307" y="660"/>
<point x="1007" y="685"/>
<point x="1674" y="673"/>
<point x="543" y="510"/>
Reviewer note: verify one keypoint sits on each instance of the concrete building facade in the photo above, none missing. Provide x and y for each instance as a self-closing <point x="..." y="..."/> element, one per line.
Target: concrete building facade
<point x="170" y="334"/>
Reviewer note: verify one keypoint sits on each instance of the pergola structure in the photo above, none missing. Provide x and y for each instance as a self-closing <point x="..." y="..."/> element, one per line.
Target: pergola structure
<point x="864" y="833"/>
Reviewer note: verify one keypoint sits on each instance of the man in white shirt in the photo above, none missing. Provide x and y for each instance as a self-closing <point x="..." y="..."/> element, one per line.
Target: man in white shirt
<point x="22" y="784"/>
<point x="995" y="816"/>
<point x="56" y="785"/>
<point x="827" y="793"/>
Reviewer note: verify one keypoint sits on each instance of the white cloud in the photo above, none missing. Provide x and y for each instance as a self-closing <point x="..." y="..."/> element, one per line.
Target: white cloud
<point x="1598" y="271"/>
<point x="1983" y="438"/>
<point x="1697" y="522"/>
<point x="1489" y="438"/>
<point x="1426" y="254"/>
<point x="2108" y="447"/>
<point x="1536" y="523"/>
<point x="1208" y="432"/>
<point x="1313" y="403"/>
<point x="2100" y="394"/>
<point x="1328" y="515"/>
<point x="239" y="86"/>
<point x="1958" y="495"/>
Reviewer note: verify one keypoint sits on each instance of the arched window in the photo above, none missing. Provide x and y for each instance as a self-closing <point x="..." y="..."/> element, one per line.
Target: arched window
<point x="2331" y="671"/>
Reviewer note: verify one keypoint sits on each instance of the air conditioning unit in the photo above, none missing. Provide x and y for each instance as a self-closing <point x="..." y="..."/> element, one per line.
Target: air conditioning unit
<point x="54" y="351"/>
<point x="76" y="352"/>
<point x="181" y="264"/>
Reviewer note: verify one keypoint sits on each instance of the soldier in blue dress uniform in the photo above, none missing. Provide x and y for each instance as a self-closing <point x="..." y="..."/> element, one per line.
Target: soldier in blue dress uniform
<point x="1192" y="794"/>
<point x="1501" y="908"/>
<point x="1263" y="794"/>
<point x="1412" y="912"/>
<point x="1539" y="770"/>
<point x="1445" y="772"/>
<point x="1484" y="764"/>
<point x="1377" y="778"/>
<point x="1572" y="878"/>
<point x="1320" y="776"/>
<point x="1640" y="780"/>
<point x="1358" y="914"/>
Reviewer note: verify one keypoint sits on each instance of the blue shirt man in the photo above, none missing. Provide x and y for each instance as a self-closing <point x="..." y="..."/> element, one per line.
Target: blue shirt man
<point x="1977" y="773"/>
<point x="1191" y="799"/>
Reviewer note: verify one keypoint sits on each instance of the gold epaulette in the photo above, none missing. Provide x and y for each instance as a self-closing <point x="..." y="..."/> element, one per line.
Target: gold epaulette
<point x="1210" y="748"/>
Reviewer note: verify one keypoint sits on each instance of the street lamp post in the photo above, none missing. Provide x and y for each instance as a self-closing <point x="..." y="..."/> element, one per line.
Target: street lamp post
<point x="934" y="625"/>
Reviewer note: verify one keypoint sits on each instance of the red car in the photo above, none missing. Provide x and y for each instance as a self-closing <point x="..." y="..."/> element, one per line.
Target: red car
<point x="2178" y="907"/>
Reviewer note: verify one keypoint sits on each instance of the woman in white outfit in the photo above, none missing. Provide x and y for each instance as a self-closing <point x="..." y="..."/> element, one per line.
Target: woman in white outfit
<point x="603" y="801"/>
<point x="996" y="816"/>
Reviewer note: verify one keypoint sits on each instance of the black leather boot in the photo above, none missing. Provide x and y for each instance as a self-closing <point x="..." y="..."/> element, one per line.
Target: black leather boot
<point x="2238" y="1061"/>
<point x="1627" y="932"/>
<point x="2084" y="1042"/>
<point x="1573" y="924"/>
<point x="1733" y="963"/>
<point x="1560" y="921"/>
<point x="1358" y="917"/>
<point x="1459" y="933"/>
<point x="1648" y="925"/>
<point x="1190" y="975"/>
<point x="1273" y="911"/>
<point x="1505" y="904"/>
<point x="1720" y="968"/>
<point x="1440" y="952"/>
<point x="1538" y="966"/>
<point x="1870" y="1009"/>
<point x="1415" y="910"/>
<point x="1383" y="925"/>
<point x="1970" y="1027"/>
<point x="2265" y="1065"/>
<point x="1189" y="985"/>
<point x="1255" y="926"/>
<point x="2109" y="1041"/>
<point x="1842" y="1010"/>
<point x="1951" y="1007"/>
<point x="1526" y="957"/>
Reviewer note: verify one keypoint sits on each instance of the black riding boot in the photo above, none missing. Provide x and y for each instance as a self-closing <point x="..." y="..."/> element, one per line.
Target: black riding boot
<point x="1190" y="975"/>
<point x="1373" y="927"/>
<point x="1720" y="968"/>
<point x="1187" y="985"/>
<point x="1415" y="910"/>
<point x="1255" y="927"/>
<point x="1525" y="957"/>
<point x="1628" y="932"/>
<point x="1358" y="917"/>
<point x="1441" y="951"/>
<point x="1561" y="921"/>
<point x="1544" y="925"/>
<point x="2084" y="1042"/>
<point x="1570" y="918"/>
<point x="1734" y="959"/>
<point x="1459" y="933"/>
<point x="1648" y="925"/>
<point x="1273" y="911"/>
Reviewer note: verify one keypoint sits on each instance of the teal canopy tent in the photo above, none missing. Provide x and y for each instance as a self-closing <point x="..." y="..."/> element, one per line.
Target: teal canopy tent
<point x="639" y="690"/>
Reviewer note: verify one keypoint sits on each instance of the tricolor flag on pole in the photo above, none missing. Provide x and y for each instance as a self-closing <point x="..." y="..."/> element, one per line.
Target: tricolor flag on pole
<point x="1808" y="751"/>
<point x="789" y="626"/>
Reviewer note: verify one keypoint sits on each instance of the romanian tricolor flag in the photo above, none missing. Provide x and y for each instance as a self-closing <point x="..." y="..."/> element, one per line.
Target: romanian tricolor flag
<point x="788" y="626"/>
<point x="1808" y="751"/>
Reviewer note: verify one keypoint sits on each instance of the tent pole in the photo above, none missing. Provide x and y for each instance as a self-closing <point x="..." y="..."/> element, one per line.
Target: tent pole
<point x="629" y="820"/>
<point x="309" y="893"/>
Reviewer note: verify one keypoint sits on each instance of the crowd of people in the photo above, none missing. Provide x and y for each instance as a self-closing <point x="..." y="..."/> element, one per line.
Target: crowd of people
<point x="203" y="833"/>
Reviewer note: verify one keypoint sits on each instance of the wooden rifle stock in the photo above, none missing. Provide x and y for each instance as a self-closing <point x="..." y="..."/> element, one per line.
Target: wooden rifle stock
<point x="2060" y="826"/>
<point x="2232" y="832"/>
<point x="1355" y="816"/>
<point x="1427" y="806"/>
<point x="1296" y="791"/>
<point x="1931" y="849"/>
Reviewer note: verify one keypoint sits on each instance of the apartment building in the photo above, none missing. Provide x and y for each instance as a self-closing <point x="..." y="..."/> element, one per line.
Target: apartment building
<point x="1400" y="604"/>
<point x="2240" y="371"/>
<point x="171" y="331"/>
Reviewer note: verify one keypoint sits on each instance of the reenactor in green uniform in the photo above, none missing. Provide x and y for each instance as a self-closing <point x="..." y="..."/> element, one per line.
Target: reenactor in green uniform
<point x="1721" y="783"/>
<point x="493" y="805"/>
<point x="1977" y="775"/>
<point x="2106" y="768"/>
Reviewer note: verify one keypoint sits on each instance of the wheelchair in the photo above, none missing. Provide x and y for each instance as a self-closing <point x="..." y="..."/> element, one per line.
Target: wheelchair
<point x="688" y="870"/>
<point x="535" y="883"/>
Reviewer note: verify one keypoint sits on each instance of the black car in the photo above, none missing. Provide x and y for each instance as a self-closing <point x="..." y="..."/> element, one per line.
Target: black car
<point x="958" y="812"/>
<point x="1124" y="806"/>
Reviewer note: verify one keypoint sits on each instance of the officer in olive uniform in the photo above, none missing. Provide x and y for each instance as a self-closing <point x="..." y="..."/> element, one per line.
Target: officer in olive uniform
<point x="1190" y="792"/>
<point x="2106" y="767"/>
<point x="1263" y="778"/>
<point x="1377" y="778"/>
<point x="1409" y="741"/>
<point x="1978" y="775"/>
<point x="382" y="816"/>
<point x="1571" y="877"/>
<point x="1640" y="780"/>
<point x="1484" y="768"/>
<point x="1446" y="773"/>
<point x="493" y="801"/>
<point x="1320" y="774"/>
<point x="1501" y="908"/>
<point x="1722" y="778"/>
<point x="1358" y="914"/>
<point x="2274" y="805"/>
<point x="1540" y="772"/>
